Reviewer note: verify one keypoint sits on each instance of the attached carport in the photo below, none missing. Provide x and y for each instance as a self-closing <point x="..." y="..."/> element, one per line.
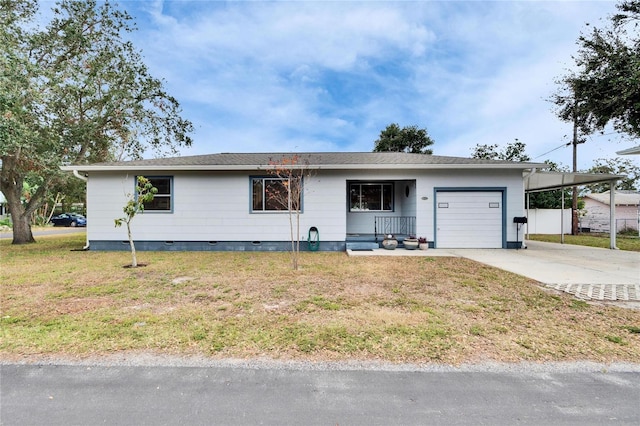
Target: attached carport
<point x="550" y="181"/>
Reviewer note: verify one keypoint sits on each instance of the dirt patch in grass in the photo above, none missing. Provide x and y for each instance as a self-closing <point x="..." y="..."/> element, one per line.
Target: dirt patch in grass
<point x="422" y="310"/>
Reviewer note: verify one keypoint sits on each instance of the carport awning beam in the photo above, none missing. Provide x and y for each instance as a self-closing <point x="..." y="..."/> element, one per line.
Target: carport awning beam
<point x="549" y="181"/>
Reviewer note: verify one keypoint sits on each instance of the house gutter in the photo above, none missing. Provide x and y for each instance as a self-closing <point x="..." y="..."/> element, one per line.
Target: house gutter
<point x="84" y="178"/>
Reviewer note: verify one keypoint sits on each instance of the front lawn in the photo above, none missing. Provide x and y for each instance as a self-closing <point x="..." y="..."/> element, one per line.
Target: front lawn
<point x="60" y="302"/>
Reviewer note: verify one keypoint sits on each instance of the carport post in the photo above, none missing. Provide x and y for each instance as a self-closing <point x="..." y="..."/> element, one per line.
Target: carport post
<point x="612" y="215"/>
<point x="562" y="212"/>
<point x="526" y="236"/>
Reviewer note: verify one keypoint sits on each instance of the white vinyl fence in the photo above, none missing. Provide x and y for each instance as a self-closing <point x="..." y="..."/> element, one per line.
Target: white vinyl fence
<point x="547" y="221"/>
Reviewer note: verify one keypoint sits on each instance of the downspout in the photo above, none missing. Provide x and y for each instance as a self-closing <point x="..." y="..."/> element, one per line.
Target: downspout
<point x="612" y="215"/>
<point x="79" y="176"/>
<point x="84" y="178"/>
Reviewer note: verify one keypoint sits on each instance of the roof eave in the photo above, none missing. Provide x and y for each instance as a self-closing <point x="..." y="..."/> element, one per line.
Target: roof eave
<point x="240" y="167"/>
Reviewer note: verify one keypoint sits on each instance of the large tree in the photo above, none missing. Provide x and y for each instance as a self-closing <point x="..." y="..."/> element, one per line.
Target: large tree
<point x="605" y="86"/>
<point x="407" y="139"/>
<point x="76" y="91"/>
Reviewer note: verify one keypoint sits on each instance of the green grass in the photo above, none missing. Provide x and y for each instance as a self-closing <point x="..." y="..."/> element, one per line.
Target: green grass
<point x="55" y="301"/>
<point x="623" y="242"/>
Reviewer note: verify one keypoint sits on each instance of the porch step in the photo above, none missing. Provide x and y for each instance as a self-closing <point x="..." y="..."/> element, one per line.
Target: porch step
<point x="361" y="245"/>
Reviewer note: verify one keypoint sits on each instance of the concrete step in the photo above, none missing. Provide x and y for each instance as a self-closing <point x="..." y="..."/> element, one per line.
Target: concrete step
<point x="361" y="245"/>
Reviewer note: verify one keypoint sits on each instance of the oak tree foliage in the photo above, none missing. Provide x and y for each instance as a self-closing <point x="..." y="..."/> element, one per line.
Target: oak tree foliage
<point x="616" y="166"/>
<point x="604" y="87"/>
<point x="409" y="139"/>
<point x="76" y="91"/>
<point x="513" y="151"/>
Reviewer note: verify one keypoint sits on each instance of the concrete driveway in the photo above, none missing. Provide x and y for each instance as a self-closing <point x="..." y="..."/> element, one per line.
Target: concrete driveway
<point x="586" y="272"/>
<point x="552" y="263"/>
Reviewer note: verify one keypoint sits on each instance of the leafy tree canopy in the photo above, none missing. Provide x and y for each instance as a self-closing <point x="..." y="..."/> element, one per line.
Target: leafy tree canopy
<point x="407" y="139"/>
<point x="76" y="91"/>
<point x="616" y="166"/>
<point x="605" y="88"/>
<point x="516" y="151"/>
<point x="513" y="151"/>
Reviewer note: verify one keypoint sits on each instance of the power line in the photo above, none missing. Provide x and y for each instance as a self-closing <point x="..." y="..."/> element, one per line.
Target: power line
<point x="554" y="149"/>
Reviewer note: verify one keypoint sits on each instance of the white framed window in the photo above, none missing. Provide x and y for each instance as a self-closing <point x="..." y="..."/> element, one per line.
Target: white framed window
<point x="272" y="194"/>
<point x="163" y="199"/>
<point x="370" y="196"/>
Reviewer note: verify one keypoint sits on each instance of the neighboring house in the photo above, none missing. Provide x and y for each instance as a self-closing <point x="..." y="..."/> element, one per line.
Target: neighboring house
<point x="218" y="201"/>
<point x="4" y="210"/>
<point x="597" y="211"/>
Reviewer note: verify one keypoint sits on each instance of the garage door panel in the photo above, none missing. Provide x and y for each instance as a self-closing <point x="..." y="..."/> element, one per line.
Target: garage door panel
<point x="469" y="219"/>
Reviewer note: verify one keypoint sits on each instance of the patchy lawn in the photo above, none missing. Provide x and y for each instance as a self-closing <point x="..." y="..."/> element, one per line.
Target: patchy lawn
<point x="60" y="302"/>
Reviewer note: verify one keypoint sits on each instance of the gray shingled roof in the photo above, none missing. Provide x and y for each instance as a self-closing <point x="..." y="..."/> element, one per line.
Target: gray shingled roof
<point x="234" y="160"/>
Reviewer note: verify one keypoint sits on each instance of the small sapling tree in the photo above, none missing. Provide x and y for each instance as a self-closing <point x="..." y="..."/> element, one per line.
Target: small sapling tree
<point x="145" y="192"/>
<point x="285" y="193"/>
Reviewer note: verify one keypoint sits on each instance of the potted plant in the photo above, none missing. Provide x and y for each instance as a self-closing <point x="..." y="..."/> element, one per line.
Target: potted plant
<point x="390" y="242"/>
<point x="423" y="244"/>
<point x="410" y="243"/>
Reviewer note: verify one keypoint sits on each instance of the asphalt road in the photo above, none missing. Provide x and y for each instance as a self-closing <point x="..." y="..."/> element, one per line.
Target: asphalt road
<point x="163" y="395"/>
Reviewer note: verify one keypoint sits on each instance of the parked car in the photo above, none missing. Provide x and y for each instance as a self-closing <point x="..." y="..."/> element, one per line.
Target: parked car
<point x="69" y="219"/>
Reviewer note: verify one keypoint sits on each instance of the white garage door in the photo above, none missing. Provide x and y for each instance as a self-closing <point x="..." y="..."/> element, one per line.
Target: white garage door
<point x="469" y="219"/>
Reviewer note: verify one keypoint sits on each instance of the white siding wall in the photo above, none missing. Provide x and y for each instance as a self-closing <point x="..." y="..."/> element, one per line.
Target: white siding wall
<point x="212" y="206"/>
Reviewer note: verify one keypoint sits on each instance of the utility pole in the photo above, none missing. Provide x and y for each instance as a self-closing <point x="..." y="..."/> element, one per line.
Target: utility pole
<point x="575" y="142"/>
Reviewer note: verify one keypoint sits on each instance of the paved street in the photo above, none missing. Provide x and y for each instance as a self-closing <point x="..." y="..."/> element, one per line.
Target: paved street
<point x="312" y="395"/>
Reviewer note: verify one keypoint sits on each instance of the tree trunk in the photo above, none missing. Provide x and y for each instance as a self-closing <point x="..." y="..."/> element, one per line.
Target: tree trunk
<point x="11" y="185"/>
<point x="21" y="228"/>
<point x="20" y="217"/>
<point x="134" y="260"/>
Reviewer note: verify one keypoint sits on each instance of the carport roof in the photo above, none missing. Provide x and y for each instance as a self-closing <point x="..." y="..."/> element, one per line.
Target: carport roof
<point x="547" y="181"/>
<point x="630" y="151"/>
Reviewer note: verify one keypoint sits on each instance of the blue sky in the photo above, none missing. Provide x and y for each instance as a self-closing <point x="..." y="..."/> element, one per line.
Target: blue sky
<point x="329" y="76"/>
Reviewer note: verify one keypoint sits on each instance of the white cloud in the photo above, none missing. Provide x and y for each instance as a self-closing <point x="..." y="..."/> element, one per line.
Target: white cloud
<point x="259" y="76"/>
